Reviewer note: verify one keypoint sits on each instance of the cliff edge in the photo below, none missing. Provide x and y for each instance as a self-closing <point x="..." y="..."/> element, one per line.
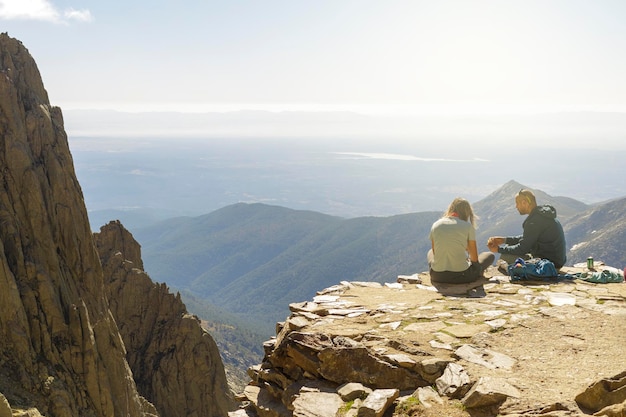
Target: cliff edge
<point x="409" y="348"/>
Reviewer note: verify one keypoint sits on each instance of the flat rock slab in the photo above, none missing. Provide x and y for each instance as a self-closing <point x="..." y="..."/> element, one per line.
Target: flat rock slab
<point x="465" y="331"/>
<point x="489" y="391"/>
<point x="317" y="404"/>
<point x="485" y="357"/>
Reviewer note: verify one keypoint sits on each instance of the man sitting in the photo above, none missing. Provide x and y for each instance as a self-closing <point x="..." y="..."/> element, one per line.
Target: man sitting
<point x="543" y="235"/>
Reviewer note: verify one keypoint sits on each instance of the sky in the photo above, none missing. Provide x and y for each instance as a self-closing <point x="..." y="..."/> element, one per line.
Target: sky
<point x="374" y="55"/>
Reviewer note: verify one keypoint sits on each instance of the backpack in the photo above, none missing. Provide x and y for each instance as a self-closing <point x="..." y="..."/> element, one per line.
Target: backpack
<point x="532" y="269"/>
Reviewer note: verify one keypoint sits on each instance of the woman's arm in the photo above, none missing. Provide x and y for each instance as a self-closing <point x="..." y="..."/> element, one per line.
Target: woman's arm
<point x="472" y="250"/>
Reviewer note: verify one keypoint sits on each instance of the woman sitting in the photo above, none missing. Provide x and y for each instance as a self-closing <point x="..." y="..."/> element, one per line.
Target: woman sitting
<point x="454" y="257"/>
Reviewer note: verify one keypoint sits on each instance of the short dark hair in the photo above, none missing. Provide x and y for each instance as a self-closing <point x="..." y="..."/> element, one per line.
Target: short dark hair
<point x="528" y="195"/>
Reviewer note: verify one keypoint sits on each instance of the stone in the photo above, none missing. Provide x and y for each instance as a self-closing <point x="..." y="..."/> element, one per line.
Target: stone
<point x="401" y="359"/>
<point x="325" y="298"/>
<point x="427" y="396"/>
<point x="274" y="376"/>
<point x="393" y="325"/>
<point x="496" y="324"/>
<point x="242" y="412"/>
<point x="454" y="382"/>
<point x="425" y="326"/>
<point x="615" y="410"/>
<point x="367" y="284"/>
<point x="488" y="392"/>
<point x="353" y="411"/>
<point x="353" y="390"/>
<point x="409" y="279"/>
<point x="354" y="312"/>
<point x="432" y="368"/>
<point x="264" y="404"/>
<point x="560" y="299"/>
<point x="297" y="322"/>
<point x="335" y="288"/>
<point x="358" y="364"/>
<point x="317" y="404"/>
<point x="305" y="306"/>
<point x="378" y="402"/>
<point x="603" y="393"/>
<point x="485" y="357"/>
<point x="5" y="407"/>
<point x="466" y="330"/>
<point x="439" y="345"/>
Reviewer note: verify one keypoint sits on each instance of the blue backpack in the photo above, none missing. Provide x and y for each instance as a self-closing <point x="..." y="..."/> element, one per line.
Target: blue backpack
<point x="532" y="269"/>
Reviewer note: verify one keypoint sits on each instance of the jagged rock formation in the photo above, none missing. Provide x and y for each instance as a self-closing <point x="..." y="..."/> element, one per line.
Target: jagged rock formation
<point x="61" y="351"/>
<point x="175" y="363"/>
<point x="495" y="348"/>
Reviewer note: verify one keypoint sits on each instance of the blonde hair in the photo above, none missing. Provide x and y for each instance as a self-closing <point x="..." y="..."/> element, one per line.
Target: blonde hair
<point x="463" y="210"/>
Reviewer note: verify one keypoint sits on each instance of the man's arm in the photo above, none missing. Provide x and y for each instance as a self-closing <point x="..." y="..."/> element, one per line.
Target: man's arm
<point x="521" y="245"/>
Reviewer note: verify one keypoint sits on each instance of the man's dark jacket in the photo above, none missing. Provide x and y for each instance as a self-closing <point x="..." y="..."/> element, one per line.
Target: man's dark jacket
<point x="543" y="237"/>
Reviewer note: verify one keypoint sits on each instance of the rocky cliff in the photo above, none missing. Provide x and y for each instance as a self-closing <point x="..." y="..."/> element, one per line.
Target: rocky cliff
<point x="410" y="348"/>
<point x="61" y="351"/>
<point x="175" y="363"/>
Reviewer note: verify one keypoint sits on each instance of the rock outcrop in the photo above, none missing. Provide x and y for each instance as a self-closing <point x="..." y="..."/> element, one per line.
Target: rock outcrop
<point x="61" y="351"/>
<point x="175" y="363"/>
<point x="495" y="347"/>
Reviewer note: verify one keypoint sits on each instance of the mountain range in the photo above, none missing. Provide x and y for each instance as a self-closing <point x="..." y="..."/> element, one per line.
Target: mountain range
<point x="252" y="260"/>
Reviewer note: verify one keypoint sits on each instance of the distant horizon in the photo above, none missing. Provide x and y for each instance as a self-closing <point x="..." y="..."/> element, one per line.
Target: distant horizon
<point x="382" y="133"/>
<point x="380" y="109"/>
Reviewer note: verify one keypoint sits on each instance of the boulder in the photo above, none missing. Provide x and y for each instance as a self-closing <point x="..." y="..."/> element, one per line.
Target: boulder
<point x="485" y="357"/>
<point x="317" y="404"/>
<point x="378" y="402"/>
<point x="428" y="397"/>
<point x="358" y="364"/>
<point x="353" y="390"/>
<point x="488" y="392"/>
<point x="264" y="403"/>
<point x="455" y="382"/>
<point x="603" y="393"/>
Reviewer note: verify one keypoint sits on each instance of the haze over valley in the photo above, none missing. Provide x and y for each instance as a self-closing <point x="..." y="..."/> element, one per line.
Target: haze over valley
<point x="141" y="179"/>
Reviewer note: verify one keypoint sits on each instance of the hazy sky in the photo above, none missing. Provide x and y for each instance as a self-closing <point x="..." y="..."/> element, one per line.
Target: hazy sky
<point x="286" y="54"/>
